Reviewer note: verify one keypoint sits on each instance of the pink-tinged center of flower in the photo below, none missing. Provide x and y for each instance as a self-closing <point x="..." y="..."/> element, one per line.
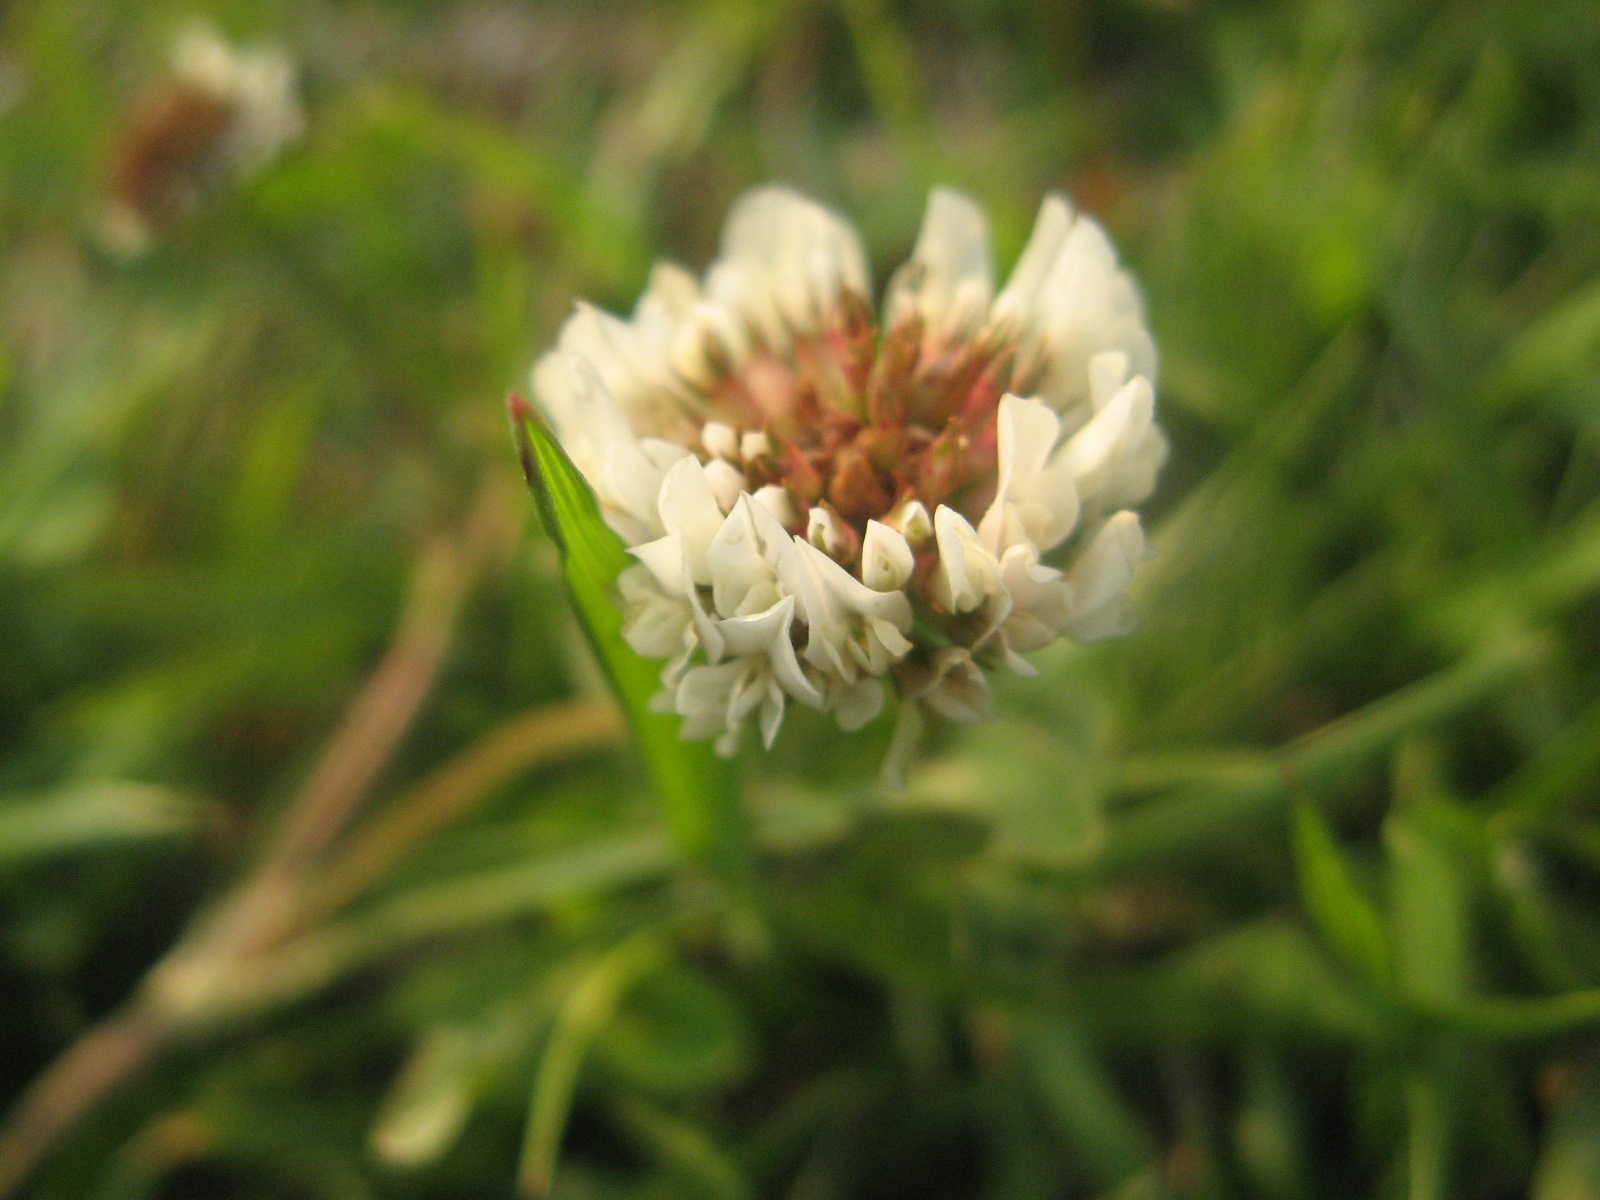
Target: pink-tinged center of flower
<point x="864" y="422"/>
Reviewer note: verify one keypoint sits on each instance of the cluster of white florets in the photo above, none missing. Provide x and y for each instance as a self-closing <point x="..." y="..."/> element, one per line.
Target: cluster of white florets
<point x="224" y="113"/>
<point x="822" y="507"/>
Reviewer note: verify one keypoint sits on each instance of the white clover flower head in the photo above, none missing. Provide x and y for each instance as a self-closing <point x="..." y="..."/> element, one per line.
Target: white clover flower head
<point x="225" y="113"/>
<point x="256" y="85"/>
<point x="826" y="508"/>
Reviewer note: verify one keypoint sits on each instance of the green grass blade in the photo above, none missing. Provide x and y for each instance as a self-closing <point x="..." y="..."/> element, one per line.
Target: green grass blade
<point x="697" y="789"/>
<point x="92" y="816"/>
<point x="592" y="1002"/>
<point x="1344" y="914"/>
<point x="1428" y="911"/>
<point x="1082" y="1101"/>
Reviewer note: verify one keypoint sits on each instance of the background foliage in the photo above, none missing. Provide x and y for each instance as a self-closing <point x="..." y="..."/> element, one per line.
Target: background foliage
<point x="314" y="819"/>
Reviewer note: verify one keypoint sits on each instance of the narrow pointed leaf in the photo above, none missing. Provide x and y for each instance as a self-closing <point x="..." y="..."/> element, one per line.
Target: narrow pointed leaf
<point x="696" y="787"/>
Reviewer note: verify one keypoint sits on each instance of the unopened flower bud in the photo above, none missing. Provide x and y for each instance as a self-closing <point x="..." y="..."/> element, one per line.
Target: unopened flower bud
<point x="719" y="440"/>
<point x="755" y="444"/>
<point x="910" y="519"/>
<point x="828" y="533"/>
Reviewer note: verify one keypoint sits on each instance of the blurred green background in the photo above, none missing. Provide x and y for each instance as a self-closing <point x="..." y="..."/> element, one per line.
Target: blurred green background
<point x="1295" y="893"/>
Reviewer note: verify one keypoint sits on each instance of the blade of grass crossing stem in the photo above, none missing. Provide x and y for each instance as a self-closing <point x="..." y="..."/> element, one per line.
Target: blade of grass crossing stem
<point x="696" y="787"/>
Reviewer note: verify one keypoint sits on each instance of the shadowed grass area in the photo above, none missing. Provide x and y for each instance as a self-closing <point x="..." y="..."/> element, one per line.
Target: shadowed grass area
<point x="326" y="867"/>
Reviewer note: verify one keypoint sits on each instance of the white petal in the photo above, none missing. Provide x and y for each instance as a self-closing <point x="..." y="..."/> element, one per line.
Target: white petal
<point x="1090" y="305"/>
<point x="671" y="296"/>
<point x="954" y="240"/>
<point x="688" y="505"/>
<point x="754" y="635"/>
<point x="1038" y="256"/>
<point x="886" y="559"/>
<point x="706" y="630"/>
<point x="703" y="698"/>
<point x="1025" y="432"/>
<point x="1050" y="513"/>
<point x="879" y="645"/>
<point x="766" y="635"/>
<point x="664" y="557"/>
<point x="854" y="704"/>
<point x="1114" y="458"/>
<point x="726" y="481"/>
<point x="1108" y="371"/>
<point x="777" y="501"/>
<point x="1020" y="665"/>
<point x="632" y="363"/>
<point x="707" y="341"/>
<point x="828" y="631"/>
<point x="1040" y="601"/>
<point x="824" y="531"/>
<point x="743" y="579"/>
<point x="966" y="573"/>
<point x="852" y="627"/>
<point x="949" y="279"/>
<point x="787" y="671"/>
<point x="579" y="405"/>
<point x="785" y="259"/>
<point x="668" y="562"/>
<point x="746" y="298"/>
<point x="892" y="633"/>
<point x="661" y="453"/>
<point x="1069" y="301"/>
<point x="629" y="481"/>
<point x="656" y="631"/>
<point x="772" y="705"/>
<point x="853" y="596"/>
<point x="773" y="538"/>
<point x="656" y="624"/>
<point x="607" y="344"/>
<point x="1100" y="576"/>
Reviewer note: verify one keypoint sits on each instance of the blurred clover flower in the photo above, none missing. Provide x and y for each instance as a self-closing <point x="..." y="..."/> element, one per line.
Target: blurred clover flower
<point x="821" y="506"/>
<point x="224" y="113"/>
